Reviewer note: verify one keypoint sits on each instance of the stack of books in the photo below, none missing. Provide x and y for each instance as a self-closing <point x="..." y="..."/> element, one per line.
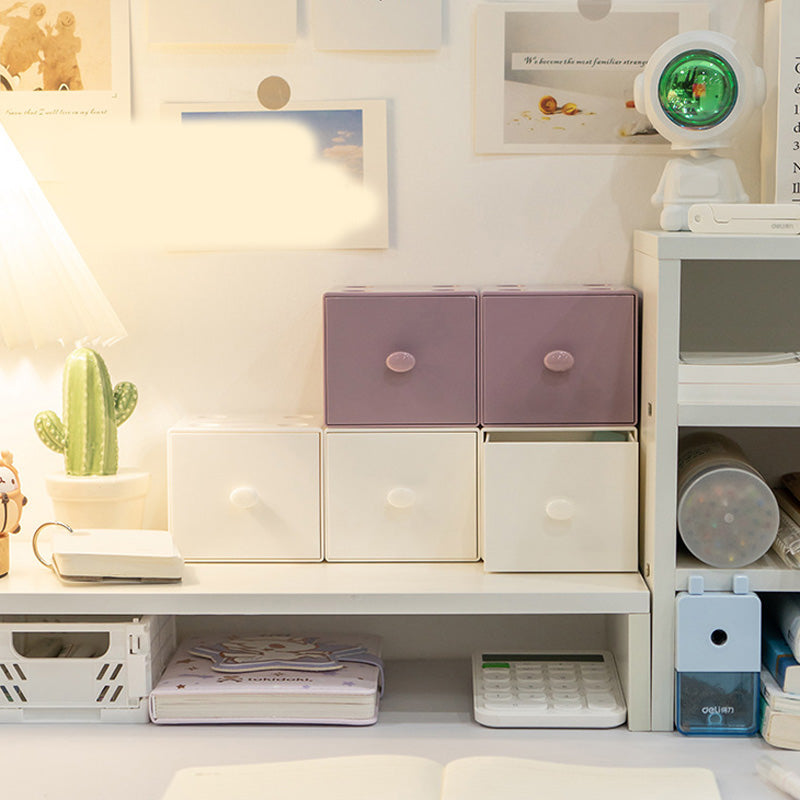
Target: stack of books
<point x="271" y="678"/>
<point x="780" y="673"/>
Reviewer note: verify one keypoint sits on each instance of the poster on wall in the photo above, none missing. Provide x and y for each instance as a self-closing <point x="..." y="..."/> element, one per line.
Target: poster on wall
<point x="65" y="63"/>
<point x="376" y="24"/>
<point x="307" y="176"/>
<point x="550" y="79"/>
<point x="218" y="23"/>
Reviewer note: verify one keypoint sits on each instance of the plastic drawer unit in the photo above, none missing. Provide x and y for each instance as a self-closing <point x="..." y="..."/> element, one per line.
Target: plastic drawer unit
<point x="560" y="500"/>
<point x="559" y="356"/>
<point x="401" y="495"/>
<point x="401" y="357"/>
<point x="244" y="490"/>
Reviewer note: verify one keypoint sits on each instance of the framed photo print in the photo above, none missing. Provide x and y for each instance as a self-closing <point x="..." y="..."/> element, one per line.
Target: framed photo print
<point x="306" y="176"/>
<point x="551" y="79"/>
<point x="65" y="63"/>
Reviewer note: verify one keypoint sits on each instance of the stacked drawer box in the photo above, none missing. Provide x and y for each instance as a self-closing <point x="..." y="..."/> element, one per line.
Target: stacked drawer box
<point x="401" y="409"/>
<point x="458" y="424"/>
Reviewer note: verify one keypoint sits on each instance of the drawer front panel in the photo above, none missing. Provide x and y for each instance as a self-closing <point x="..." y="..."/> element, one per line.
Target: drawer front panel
<point x="401" y="496"/>
<point x="559" y="359"/>
<point x="560" y="506"/>
<point x="401" y="360"/>
<point x="246" y="497"/>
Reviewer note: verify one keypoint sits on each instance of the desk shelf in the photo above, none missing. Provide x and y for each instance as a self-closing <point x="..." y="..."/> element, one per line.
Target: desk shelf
<point x="325" y="589"/>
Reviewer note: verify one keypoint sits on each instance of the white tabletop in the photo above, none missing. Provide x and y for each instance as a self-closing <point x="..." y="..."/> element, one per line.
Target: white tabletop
<point x="136" y="761"/>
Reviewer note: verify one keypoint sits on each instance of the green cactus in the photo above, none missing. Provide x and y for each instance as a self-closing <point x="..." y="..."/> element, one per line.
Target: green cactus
<point x="92" y="412"/>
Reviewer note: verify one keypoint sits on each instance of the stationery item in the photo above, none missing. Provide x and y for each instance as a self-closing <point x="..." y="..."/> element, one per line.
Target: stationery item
<point x="778" y="658"/>
<point x="744" y="218"/>
<point x="272" y="678"/>
<point x="184" y="23"/>
<point x="784" y="779"/>
<point x="785" y="610"/>
<point x="776" y="698"/>
<point x="111" y="555"/>
<point x="727" y="514"/>
<point x="778" y="135"/>
<point x="779" y="728"/>
<point x="787" y="541"/>
<point x="547" y="690"/>
<point x="401" y="777"/>
<point x="717" y="660"/>
<point x="385" y="25"/>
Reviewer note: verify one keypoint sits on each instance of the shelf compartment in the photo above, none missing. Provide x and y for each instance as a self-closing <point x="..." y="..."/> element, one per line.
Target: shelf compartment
<point x="768" y="574"/>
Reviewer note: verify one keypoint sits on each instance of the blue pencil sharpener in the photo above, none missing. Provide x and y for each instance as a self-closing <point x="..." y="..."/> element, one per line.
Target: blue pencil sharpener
<point x="717" y="660"/>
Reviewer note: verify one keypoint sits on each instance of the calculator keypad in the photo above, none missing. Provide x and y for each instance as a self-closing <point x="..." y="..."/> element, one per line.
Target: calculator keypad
<point x="551" y="693"/>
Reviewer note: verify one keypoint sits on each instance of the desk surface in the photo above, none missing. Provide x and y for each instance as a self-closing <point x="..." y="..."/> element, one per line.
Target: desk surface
<point x="136" y="761"/>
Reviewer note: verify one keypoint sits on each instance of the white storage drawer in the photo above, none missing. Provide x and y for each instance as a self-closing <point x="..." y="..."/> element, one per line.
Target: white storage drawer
<point x="243" y="491"/>
<point x="407" y="495"/>
<point x="560" y="501"/>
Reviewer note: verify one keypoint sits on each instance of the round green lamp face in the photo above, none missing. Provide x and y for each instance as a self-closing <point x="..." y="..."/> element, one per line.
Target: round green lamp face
<point x="698" y="89"/>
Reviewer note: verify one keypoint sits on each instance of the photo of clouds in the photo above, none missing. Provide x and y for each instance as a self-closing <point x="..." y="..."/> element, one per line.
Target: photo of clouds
<point x="338" y="133"/>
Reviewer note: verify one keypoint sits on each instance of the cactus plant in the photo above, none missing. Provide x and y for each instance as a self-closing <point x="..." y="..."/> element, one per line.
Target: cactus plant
<point x="92" y="412"/>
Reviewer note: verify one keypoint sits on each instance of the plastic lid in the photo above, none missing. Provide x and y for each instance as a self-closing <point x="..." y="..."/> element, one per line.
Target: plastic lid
<point x="728" y="517"/>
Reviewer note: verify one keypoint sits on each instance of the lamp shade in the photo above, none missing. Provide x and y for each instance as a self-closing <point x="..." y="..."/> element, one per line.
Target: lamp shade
<point x="47" y="292"/>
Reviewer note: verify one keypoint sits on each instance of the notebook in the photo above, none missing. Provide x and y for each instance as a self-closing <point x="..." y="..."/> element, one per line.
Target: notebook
<point x="272" y="679"/>
<point x="114" y="555"/>
<point x="371" y="777"/>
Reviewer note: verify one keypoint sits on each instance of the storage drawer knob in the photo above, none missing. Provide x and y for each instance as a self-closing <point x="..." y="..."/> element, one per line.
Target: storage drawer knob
<point x="244" y="497"/>
<point x="560" y="508"/>
<point x="559" y="360"/>
<point x="400" y="361"/>
<point x="401" y="497"/>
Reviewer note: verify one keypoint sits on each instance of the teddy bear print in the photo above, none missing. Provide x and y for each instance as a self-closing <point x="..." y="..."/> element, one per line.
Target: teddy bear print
<point x="60" y="50"/>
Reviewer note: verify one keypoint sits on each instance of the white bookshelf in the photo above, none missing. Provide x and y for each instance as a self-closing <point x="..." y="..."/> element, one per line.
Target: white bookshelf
<point x="663" y="263"/>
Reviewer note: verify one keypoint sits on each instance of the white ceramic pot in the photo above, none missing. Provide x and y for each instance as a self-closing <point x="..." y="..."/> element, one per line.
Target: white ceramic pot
<point x="99" y="501"/>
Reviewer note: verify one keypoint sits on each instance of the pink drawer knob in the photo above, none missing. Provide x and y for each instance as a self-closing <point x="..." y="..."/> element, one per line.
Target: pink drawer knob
<point x="400" y="361"/>
<point x="401" y="497"/>
<point x="244" y="497"/>
<point x="559" y="360"/>
<point x="560" y="508"/>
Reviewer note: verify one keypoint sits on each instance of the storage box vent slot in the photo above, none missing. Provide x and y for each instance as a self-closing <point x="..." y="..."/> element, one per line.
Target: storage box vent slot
<point x="110" y="690"/>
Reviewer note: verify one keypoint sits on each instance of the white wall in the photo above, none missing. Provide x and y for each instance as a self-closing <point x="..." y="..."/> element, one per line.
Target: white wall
<point x="241" y="332"/>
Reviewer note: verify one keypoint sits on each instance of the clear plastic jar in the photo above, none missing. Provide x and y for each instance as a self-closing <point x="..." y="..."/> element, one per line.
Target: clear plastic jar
<point x="727" y="514"/>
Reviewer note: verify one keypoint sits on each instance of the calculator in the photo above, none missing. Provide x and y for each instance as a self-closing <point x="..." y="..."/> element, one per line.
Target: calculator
<point x="547" y="689"/>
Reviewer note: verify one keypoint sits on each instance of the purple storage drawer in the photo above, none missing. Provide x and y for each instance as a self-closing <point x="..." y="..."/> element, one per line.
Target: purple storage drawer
<point x="401" y="358"/>
<point x="559" y="357"/>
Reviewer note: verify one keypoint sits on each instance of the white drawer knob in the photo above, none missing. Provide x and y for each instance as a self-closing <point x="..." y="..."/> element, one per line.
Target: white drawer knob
<point x="400" y="361"/>
<point x="559" y="361"/>
<point x="244" y="497"/>
<point x="401" y="497"/>
<point x="560" y="508"/>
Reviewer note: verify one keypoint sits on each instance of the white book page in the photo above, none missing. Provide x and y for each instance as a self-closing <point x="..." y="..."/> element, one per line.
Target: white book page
<point x="522" y="779"/>
<point x="356" y="778"/>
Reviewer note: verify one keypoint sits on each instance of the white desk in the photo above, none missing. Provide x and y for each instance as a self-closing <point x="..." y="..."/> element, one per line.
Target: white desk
<point x="136" y="761"/>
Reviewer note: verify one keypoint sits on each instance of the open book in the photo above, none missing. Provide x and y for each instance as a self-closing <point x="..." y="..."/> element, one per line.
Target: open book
<point x="371" y="777"/>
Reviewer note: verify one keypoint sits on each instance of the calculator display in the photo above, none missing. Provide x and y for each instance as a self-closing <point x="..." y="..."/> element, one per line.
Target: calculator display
<point x="574" y="657"/>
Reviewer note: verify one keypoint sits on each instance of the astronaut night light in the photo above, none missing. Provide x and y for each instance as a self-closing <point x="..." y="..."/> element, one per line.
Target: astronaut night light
<point x="698" y="90"/>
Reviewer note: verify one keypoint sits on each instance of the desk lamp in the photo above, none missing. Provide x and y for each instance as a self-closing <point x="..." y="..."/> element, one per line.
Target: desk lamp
<point x="47" y="293"/>
<point x="698" y="89"/>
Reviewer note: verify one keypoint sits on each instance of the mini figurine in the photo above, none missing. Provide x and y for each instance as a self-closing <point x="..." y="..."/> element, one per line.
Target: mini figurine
<point x="11" y="502"/>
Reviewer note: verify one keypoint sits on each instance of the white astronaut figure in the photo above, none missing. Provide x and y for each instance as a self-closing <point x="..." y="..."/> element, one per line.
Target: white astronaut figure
<point x="700" y="176"/>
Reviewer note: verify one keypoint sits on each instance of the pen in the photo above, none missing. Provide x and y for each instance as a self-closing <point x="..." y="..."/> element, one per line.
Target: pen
<point x="772" y="772"/>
